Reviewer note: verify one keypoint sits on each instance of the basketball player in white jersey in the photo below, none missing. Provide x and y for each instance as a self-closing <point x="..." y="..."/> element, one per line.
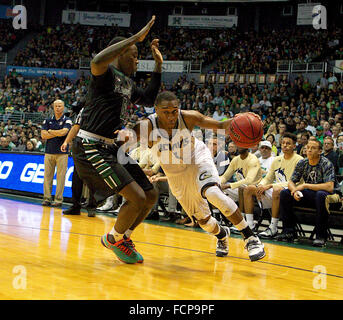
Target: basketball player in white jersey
<point x="191" y="172"/>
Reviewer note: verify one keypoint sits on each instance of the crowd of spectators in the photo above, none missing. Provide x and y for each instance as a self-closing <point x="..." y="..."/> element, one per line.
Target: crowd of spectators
<point x="9" y="36"/>
<point x="62" y="46"/>
<point x="252" y="52"/>
<point x="296" y="105"/>
<point x="19" y="95"/>
<point x="232" y="51"/>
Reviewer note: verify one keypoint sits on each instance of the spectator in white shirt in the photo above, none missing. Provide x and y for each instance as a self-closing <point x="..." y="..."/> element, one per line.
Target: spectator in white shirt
<point x="332" y="79"/>
<point x="218" y="114"/>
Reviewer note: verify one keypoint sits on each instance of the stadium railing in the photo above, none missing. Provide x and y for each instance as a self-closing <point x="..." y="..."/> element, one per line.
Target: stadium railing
<point x="35" y="117"/>
<point x="289" y="66"/>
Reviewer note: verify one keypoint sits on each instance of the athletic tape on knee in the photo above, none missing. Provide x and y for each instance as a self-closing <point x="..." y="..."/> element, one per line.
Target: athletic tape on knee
<point x="210" y="225"/>
<point x="221" y="201"/>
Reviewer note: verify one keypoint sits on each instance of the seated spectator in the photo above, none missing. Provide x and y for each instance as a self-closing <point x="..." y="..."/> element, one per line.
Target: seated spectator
<point x="218" y="114"/>
<point x="267" y="192"/>
<point x="303" y="141"/>
<point x="279" y="135"/>
<point x="4" y="144"/>
<point x="247" y="171"/>
<point x="329" y="152"/>
<point x="30" y="146"/>
<point x="318" y="176"/>
<point x="271" y="139"/>
<point x="320" y="134"/>
<point x="267" y="157"/>
<point x="22" y="144"/>
<point x="220" y="156"/>
<point x="141" y="113"/>
<point x="303" y="152"/>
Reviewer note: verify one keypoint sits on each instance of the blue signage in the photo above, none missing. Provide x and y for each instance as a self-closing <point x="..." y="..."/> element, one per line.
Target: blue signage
<point x="6" y="12"/>
<point x="25" y="172"/>
<point x="38" y="72"/>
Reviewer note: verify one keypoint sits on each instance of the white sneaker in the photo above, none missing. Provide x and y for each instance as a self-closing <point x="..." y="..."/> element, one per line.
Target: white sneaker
<point x="269" y="233"/>
<point x="108" y="204"/>
<point x="255" y="248"/>
<point x="222" y="249"/>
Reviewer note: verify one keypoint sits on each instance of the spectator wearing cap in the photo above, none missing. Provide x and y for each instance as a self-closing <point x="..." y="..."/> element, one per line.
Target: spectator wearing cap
<point x="320" y="134"/>
<point x="267" y="157"/>
<point x="54" y="131"/>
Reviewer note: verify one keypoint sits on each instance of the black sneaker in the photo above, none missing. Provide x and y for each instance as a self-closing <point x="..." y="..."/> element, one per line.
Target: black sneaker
<point x="287" y="236"/>
<point x="72" y="211"/>
<point x="46" y="203"/>
<point x="154" y="215"/>
<point x="91" y="212"/>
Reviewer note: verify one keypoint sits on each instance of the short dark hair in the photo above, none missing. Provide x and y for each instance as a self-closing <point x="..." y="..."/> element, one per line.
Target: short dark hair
<point x="116" y="40"/>
<point x="320" y="145"/>
<point x="270" y="135"/>
<point x="330" y="138"/>
<point x="290" y="136"/>
<point x="306" y="134"/>
<point x="165" y="96"/>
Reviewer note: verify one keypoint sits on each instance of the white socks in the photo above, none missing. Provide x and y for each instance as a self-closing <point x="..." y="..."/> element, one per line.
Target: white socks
<point x="128" y="233"/>
<point x="242" y="225"/>
<point x="274" y="223"/>
<point x="117" y="236"/>
<point x="250" y="219"/>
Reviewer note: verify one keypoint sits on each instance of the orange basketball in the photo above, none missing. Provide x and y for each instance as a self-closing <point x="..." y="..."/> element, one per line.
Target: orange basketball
<point x="246" y="130"/>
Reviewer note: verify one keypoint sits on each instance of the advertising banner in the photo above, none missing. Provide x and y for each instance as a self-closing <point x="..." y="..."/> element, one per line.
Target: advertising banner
<point x="38" y="72"/>
<point x="168" y="66"/>
<point x="96" y="18"/>
<point x="202" y="22"/>
<point x="25" y="172"/>
<point x="304" y="16"/>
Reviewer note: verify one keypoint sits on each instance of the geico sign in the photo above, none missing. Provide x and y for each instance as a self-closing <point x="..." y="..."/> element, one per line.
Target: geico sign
<point x="5" y="169"/>
<point x="34" y="172"/>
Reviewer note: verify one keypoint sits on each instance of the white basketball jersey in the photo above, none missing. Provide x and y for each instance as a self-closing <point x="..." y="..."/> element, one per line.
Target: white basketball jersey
<point x="178" y="151"/>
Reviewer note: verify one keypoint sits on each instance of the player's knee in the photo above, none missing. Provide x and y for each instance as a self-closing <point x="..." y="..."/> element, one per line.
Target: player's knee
<point x="151" y="196"/>
<point x="217" y="198"/>
<point x="276" y="192"/>
<point x="138" y="198"/>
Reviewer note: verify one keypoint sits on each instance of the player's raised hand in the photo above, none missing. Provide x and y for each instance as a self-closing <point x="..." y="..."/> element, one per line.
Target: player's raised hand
<point x="156" y="54"/>
<point x="143" y="33"/>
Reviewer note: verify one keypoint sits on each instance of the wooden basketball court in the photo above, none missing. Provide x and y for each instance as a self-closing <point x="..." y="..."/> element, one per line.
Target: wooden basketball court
<point x="45" y="255"/>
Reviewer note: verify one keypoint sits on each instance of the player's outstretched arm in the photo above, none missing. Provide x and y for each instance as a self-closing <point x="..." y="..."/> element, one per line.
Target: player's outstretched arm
<point x="100" y="62"/>
<point x="195" y="118"/>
